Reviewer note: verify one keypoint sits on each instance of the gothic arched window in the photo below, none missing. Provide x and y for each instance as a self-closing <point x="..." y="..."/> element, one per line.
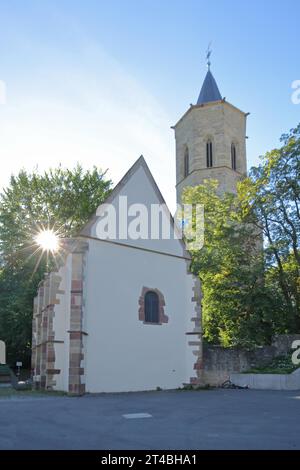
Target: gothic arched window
<point x="151" y="307"/>
<point x="186" y="162"/>
<point x="233" y="156"/>
<point x="209" y="154"/>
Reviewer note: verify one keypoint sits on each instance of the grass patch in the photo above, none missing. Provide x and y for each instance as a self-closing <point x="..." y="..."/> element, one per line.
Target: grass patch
<point x="279" y="365"/>
<point x="4" y="370"/>
<point x="194" y="388"/>
<point x="7" y="392"/>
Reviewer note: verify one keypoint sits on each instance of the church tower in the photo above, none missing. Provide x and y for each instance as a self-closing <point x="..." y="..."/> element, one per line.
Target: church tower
<point x="210" y="141"/>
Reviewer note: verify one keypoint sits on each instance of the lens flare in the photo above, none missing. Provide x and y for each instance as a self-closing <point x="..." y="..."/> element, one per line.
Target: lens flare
<point x="47" y="240"/>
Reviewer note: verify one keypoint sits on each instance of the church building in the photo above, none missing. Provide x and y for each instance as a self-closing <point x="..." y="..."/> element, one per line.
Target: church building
<point x="121" y="314"/>
<point x="124" y="313"/>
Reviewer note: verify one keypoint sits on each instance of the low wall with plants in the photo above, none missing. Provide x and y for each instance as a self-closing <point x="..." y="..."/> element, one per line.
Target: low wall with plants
<point x="219" y="363"/>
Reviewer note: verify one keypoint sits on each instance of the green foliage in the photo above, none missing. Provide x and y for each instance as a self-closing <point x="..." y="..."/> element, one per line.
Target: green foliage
<point x="236" y="306"/>
<point x="271" y="199"/>
<point x="4" y="370"/>
<point x="279" y="365"/>
<point x="63" y="199"/>
<point x="60" y="199"/>
<point x="9" y="392"/>
<point x="251" y="290"/>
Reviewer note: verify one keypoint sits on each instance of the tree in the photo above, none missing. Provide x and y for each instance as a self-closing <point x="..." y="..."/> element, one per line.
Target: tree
<point x="60" y="199"/>
<point x="252" y="291"/>
<point x="236" y="307"/>
<point x="271" y="199"/>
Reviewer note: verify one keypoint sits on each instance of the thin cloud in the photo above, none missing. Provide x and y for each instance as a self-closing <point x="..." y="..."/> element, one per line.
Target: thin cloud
<point x="93" y="112"/>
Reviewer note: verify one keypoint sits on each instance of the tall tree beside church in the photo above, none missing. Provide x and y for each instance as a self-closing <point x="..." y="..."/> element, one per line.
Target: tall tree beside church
<point x="63" y="199"/>
<point x="271" y="198"/>
<point x="237" y="308"/>
<point x="248" y="297"/>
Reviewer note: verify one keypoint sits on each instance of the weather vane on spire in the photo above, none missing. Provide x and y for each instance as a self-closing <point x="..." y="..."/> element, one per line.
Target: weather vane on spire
<point x="208" y="54"/>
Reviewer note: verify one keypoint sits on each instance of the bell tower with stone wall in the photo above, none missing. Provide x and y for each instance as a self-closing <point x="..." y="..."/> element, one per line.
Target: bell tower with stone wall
<point x="210" y="141"/>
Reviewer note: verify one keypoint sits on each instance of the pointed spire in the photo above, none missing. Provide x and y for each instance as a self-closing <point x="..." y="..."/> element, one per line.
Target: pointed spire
<point x="209" y="91"/>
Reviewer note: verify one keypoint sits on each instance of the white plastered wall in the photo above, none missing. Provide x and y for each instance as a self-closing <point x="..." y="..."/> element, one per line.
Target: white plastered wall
<point x="123" y="353"/>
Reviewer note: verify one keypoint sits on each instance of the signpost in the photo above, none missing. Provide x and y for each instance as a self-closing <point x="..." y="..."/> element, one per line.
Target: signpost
<point x="19" y="365"/>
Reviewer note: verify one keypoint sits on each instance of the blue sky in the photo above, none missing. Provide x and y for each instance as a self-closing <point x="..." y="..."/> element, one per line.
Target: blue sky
<point x="101" y="82"/>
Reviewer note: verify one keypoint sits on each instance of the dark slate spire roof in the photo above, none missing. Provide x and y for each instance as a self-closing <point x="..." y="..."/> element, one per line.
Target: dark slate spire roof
<point x="209" y="91"/>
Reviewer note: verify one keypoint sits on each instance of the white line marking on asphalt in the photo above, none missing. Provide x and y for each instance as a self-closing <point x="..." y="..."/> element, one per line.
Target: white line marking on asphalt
<point x="137" y="415"/>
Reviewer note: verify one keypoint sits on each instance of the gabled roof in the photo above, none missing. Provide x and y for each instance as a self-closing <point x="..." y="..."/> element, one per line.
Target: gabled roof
<point x="209" y="91"/>
<point x="140" y="162"/>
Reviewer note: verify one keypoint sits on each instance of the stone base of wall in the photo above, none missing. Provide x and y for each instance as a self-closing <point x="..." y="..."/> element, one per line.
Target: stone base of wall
<point x="219" y="363"/>
<point x="268" y="381"/>
<point x="215" y="378"/>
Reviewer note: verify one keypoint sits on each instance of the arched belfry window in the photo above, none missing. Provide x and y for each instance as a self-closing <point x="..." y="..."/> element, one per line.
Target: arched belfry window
<point x="186" y="162"/>
<point x="233" y="156"/>
<point x="209" y="154"/>
<point x="151" y="307"/>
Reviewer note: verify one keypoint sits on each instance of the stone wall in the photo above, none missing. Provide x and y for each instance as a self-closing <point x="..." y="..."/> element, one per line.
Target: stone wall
<point x="268" y="381"/>
<point x="220" y="362"/>
<point x="44" y="339"/>
<point x="222" y="124"/>
<point x="43" y="336"/>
